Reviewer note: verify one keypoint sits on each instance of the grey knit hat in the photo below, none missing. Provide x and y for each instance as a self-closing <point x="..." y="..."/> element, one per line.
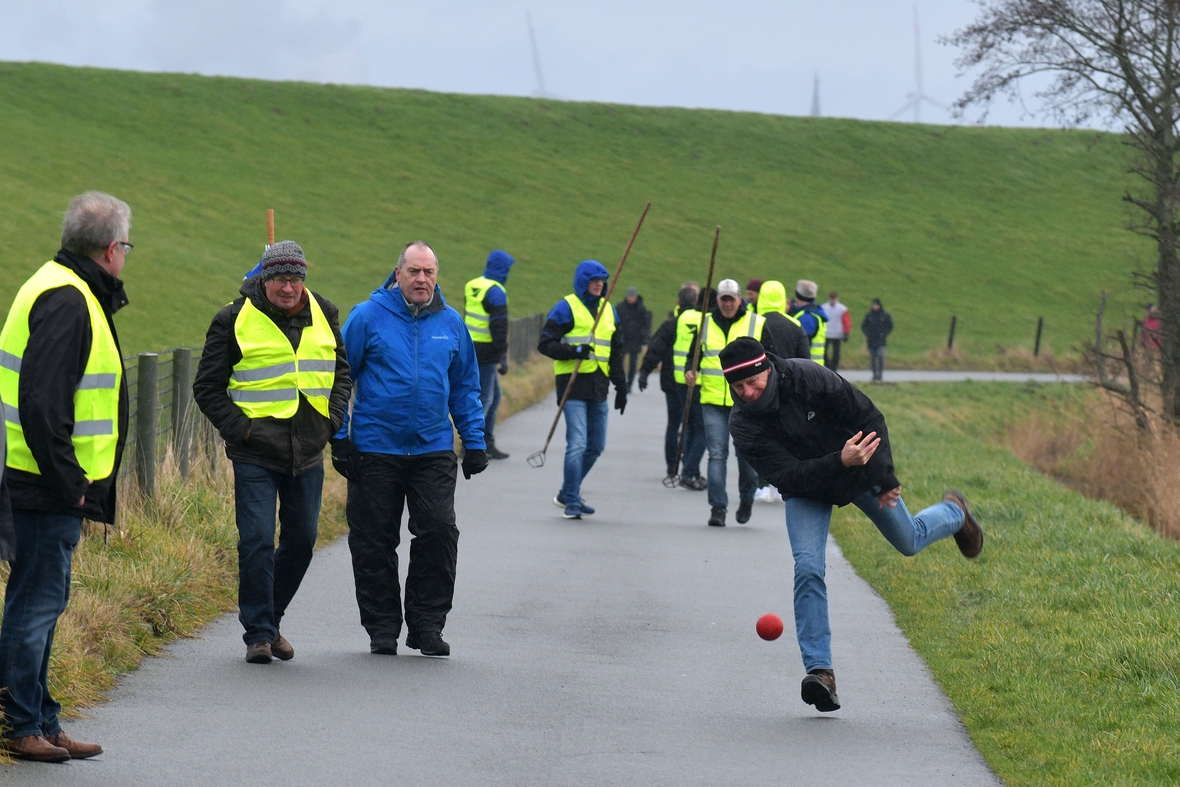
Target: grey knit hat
<point x="285" y="258"/>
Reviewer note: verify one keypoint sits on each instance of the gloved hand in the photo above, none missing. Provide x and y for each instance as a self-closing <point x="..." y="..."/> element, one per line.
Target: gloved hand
<point x="345" y="459"/>
<point x="475" y="461"/>
<point x="643" y="382"/>
<point x="621" y="400"/>
<point x="503" y="367"/>
<point x="582" y="352"/>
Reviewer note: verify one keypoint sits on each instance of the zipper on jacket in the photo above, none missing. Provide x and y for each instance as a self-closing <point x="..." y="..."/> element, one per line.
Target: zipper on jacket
<point x="414" y="406"/>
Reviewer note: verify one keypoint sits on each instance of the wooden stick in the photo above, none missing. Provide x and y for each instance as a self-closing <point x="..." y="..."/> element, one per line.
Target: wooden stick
<point x="270" y="227"/>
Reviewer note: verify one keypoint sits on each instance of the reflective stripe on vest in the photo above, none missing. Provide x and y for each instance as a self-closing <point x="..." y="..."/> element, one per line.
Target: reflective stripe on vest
<point x="820" y="340"/>
<point x="475" y="316"/>
<point x="96" y="399"/>
<point x="714" y="389"/>
<point x="580" y="334"/>
<point x="687" y="325"/>
<point x="269" y="378"/>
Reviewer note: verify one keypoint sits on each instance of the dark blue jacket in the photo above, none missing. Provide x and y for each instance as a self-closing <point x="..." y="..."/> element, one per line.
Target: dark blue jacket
<point x="495" y="303"/>
<point x="409" y="373"/>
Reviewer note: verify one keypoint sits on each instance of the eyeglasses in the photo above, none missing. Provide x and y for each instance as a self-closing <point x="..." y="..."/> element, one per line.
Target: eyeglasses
<point x="126" y="246"/>
<point x="283" y="281"/>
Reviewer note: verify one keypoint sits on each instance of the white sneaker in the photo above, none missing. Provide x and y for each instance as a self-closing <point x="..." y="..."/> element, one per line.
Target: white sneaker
<point x="765" y="495"/>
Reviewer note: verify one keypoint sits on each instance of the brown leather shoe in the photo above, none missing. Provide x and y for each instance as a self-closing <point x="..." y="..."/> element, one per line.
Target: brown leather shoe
<point x="77" y="749"/>
<point x="970" y="535"/>
<point x="35" y="748"/>
<point x="281" y="649"/>
<point x="819" y="689"/>
<point x="259" y="653"/>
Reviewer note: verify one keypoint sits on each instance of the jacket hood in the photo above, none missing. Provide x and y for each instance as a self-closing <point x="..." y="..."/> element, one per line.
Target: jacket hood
<point x="499" y="264"/>
<point x="590" y="269"/>
<point x="772" y="298"/>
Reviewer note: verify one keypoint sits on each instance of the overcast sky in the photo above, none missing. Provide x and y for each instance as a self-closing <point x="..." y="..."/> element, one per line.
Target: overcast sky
<point x="760" y="55"/>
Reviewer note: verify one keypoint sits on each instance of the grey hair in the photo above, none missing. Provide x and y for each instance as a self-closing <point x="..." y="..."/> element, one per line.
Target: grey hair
<point x="415" y="244"/>
<point x="93" y="221"/>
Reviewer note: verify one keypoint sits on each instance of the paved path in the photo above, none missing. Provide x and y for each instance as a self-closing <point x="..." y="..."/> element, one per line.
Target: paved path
<point x="619" y="650"/>
<point x="904" y="376"/>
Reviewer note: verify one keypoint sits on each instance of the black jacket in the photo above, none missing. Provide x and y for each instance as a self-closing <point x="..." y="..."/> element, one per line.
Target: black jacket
<point x="659" y="353"/>
<point x="794" y="433"/>
<point x="876" y="326"/>
<point x="787" y="339"/>
<point x="284" y="445"/>
<point x="53" y="363"/>
<point x="634" y="324"/>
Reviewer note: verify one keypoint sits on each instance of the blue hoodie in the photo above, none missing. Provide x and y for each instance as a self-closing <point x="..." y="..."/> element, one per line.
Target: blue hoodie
<point x="409" y="373"/>
<point x="497" y="269"/>
<point x="590" y="269"/>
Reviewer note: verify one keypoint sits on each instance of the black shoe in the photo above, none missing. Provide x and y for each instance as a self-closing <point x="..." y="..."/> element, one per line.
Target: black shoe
<point x="383" y="646"/>
<point x="430" y="643"/>
<point x="819" y="689"/>
<point x="717" y="517"/>
<point x="743" y="512"/>
<point x="495" y="453"/>
<point x="970" y="535"/>
<point x="697" y="484"/>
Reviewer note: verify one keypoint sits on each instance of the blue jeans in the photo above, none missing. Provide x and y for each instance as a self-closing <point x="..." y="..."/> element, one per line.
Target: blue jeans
<point x="269" y="577"/>
<point x="585" y="438"/>
<point x="807" y="526"/>
<point x="489" y="396"/>
<point x="694" y="441"/>
<point x="716" y="418"/>
<point x="37" y="592"/>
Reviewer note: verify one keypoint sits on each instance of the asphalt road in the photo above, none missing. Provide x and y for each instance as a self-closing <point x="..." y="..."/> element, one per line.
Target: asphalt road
<point x="618" y="650"/>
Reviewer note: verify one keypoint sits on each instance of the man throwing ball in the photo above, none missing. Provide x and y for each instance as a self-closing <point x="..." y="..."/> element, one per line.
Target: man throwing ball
<point x="822" y="443"/>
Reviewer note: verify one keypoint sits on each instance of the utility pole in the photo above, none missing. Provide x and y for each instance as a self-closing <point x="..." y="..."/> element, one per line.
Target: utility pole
<point x="815" y="97"/>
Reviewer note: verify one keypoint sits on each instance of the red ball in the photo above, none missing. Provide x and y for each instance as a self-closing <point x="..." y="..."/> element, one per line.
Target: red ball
<point x="770" y="626"/>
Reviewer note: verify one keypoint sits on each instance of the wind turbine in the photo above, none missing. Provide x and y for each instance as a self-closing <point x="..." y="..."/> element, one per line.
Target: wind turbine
<point x="917" y="97"/>
<point x="541" y="92"/>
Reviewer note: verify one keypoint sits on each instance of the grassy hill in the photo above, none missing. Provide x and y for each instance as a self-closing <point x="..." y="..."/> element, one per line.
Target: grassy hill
<point x="998" y="226"/>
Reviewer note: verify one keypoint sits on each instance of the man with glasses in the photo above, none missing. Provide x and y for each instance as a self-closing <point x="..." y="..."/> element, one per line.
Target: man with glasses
<point x="273" y="379"/>
<point x="414" y="365"/>
<point x="65" y="412"/>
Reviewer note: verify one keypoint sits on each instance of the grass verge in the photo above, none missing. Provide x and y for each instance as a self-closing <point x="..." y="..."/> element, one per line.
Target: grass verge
<point x="1057" y="645"/>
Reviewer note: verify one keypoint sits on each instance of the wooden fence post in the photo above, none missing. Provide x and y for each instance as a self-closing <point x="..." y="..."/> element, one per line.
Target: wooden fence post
<point x="1037" y="343"/>
<point x="950" y="339"/>
<point x="147" y="390"/>
<point x="182" y="405"/>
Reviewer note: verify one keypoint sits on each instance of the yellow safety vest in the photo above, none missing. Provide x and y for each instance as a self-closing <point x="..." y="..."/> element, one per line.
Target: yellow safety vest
<point x="271" y="375"/>
<point x="714" y="389"/>
<point x="475" y="316"/>
<point x="820" y="340"/>
<point x="687" y="325"/>
<point x="96" y="400"/>
<point x="580" y="334"/>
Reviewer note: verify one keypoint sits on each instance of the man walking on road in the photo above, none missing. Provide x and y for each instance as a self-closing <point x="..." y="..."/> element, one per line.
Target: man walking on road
<point x="567" y="339"/>
<point x="839" y="329"/>
<point x="634" y="330"/>
<point x="876" y="326"/>
<point x="725" y="322"/>
<point x="822" y="443"/>
<point x="274" y="381"/>
<point x="810" y="317"/>
<point x="414" y="364"/>
<point x="65" y="411"/>
<point x="486" y="316"/>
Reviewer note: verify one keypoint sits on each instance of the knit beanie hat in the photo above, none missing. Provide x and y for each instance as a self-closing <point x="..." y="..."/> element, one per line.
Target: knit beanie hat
<point x="754" y="284"/>
<point x="285" y="258"/>
<point x="743" y="357"/>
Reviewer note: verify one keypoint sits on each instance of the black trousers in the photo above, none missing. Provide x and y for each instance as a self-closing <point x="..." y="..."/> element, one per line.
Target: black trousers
<point x="386" y="485"/>
<point x="832" y="354"/>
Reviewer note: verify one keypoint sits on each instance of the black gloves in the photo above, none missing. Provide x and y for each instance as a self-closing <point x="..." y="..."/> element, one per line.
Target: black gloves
<point x="620" y="399"/>
<point x="345" y="459"/>
<point x="581" y="352"/>
<point x="503" y="367"/>
<point x="643" y="382"/>
<point x="474" y="462"/>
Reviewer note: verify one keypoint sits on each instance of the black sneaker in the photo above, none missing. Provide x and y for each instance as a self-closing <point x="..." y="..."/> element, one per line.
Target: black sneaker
<point x="743" y="512"/>
<point x="717" y="517"/>
<point x="430" y="643"/>
<point x="383" y="646"/>
<point x="696" y="483"/>
<point x="970" y="535"/>
<point x="819" y="689"/>
<point x="495" y="453"/>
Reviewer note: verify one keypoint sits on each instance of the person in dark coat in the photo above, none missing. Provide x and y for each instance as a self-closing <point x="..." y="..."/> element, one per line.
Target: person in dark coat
<point x="66" y="414"/>
<point x="274" y="381"/>
<point x="823" y="443"/>
<point x="635" y="330"/>
<point x="876" y="326"/>
<point x="660" y="353"/>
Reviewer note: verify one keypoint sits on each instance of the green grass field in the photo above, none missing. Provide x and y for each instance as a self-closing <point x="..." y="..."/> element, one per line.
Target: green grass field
<point x="998" y="226"/>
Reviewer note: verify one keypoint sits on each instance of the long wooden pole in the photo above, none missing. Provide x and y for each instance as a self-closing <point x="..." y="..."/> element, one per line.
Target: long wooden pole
<point x="538" y="459"/>
<point x="270" y="227"/>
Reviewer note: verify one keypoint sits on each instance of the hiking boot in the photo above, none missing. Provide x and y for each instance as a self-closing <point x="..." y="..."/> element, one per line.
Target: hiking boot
<point x="77" y="749"/>
<point x="259" y="653"/>
<point x="430" y="643"/>
<point x="383" y="646"/>
<point x="696" y="483"/>
<point x="717" y="517"/>
<point x="572" y="511"/>
<point x="35" y="748"/>
<point x="281" y="649"/>
<point x="495" y="453"/>
<point x="970" y="535"/>
<point x="819" y="689"/>
<point x="743" y="512"/>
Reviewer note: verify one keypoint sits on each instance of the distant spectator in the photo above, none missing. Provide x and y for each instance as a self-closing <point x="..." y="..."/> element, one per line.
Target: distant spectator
<point x="696" y="287"/>
<point x="1150" y="335"/>
<point x="753" y="288"/>
<point x="811" y="318"/>
<point x="839" y="329"/>
<point x="876" y="326"/>
<point x="635" y="327"/>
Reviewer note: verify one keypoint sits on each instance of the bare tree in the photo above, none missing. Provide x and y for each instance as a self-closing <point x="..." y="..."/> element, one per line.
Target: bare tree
<point x="1115" y="60"/>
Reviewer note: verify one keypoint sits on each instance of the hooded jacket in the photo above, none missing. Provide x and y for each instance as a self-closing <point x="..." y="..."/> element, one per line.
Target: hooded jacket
<point x="787" y="338"/>
<point x="794" y="433"/>
<point x="414" y="370"/>
<point x="285" y="445"/>
<point x="495" y="303"/>
<point x="634" y="324"/>
<point x="876" y="326"/>
<point x="595" y="386"/>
